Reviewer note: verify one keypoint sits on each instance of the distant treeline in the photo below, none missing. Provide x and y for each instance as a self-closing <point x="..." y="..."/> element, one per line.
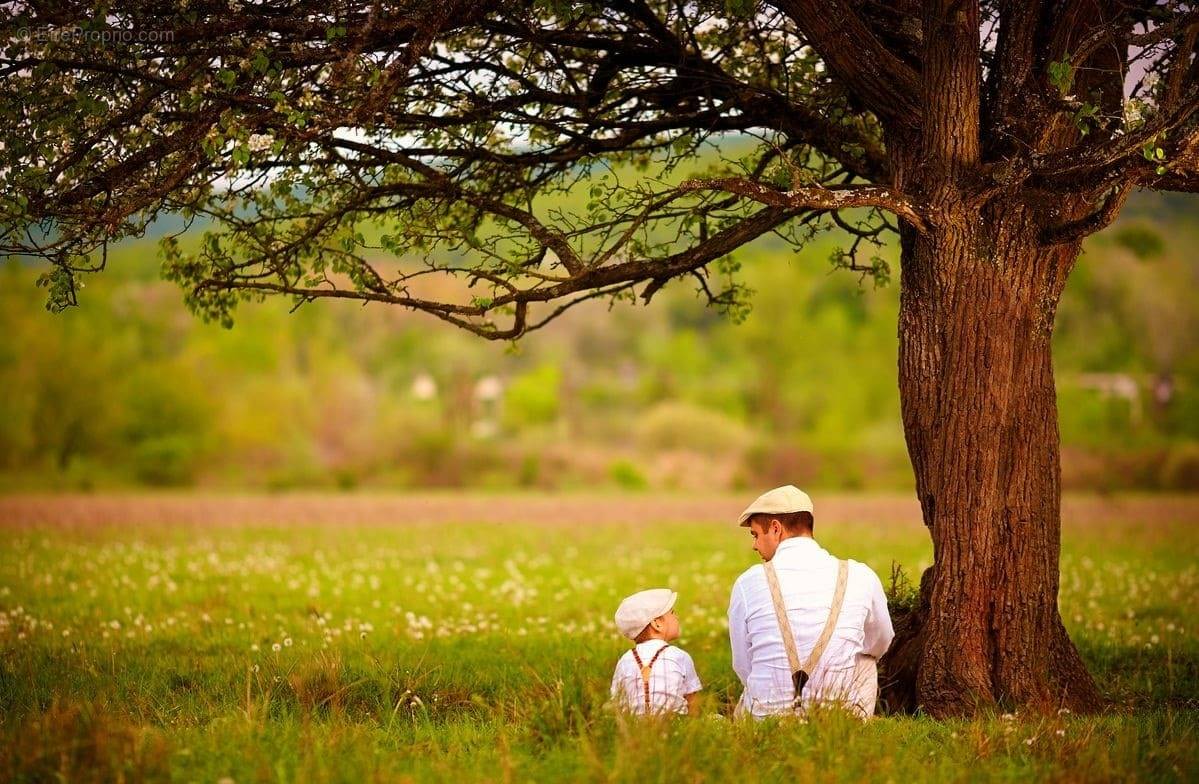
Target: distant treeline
<point x="130" y="389"/>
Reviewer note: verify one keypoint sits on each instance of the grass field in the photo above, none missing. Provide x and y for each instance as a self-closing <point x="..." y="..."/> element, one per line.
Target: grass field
<point x="404" y="646"/>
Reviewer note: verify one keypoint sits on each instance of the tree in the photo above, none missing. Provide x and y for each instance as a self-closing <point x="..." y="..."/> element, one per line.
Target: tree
<point x="327" y="140"/>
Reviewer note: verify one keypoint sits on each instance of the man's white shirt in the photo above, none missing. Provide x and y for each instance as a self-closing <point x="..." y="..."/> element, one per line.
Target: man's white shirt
<point x="672" y="677"/>
<point x="807" y="576"/>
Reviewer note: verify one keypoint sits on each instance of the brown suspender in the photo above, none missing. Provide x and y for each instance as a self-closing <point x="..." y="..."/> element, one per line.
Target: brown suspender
<point x="645" y="671"/>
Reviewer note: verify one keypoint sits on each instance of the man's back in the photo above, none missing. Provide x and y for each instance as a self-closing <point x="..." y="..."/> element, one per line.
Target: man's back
<point x="807" y="576"/>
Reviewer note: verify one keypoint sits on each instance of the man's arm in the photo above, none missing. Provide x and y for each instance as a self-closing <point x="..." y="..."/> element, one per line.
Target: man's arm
<point x="738" y="638"/>
<point x="878" y="631"/>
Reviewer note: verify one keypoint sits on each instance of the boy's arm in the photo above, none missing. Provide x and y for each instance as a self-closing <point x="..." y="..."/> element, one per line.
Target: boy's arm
<point x="691" y="683"/>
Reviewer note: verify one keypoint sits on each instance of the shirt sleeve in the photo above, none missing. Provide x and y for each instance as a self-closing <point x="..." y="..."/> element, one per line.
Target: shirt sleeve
<point x="738" y="636"/>
<point x="616" y="690"/>
<point x="878" y="631"/>
<point x="691" y="682"/>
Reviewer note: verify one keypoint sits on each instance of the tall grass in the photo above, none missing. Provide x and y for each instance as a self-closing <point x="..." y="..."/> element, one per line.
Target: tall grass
<point x="483" y="653"/>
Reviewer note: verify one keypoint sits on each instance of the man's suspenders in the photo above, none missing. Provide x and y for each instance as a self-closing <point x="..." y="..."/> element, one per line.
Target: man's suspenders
<point x="645" y="671"/>
<point x="800" y="674"/>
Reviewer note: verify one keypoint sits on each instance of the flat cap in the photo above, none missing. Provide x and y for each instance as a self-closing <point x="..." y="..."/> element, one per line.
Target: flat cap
<point x="635" y="612"/>
<point x="780" y="500"/>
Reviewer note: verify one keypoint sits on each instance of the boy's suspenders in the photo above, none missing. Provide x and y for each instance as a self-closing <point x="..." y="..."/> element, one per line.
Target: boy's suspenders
<point x="645" y="671"/>
<point x="800" y="674"/>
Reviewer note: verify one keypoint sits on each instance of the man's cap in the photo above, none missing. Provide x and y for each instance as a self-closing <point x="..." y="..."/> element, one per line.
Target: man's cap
<point x="780" y="500"/>
<point x="635" y="612"/>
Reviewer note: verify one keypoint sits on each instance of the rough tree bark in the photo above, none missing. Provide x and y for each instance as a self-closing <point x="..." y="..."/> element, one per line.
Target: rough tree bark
<point x="978" y="295"/>
<point x="977" y="306"/>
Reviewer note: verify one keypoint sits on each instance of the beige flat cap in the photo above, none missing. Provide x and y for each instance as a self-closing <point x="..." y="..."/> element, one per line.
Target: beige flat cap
<point x="636" y="611"/>
<point x="780" y="500"/>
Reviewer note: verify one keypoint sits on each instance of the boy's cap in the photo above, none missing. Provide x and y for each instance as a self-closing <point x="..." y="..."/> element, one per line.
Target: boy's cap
<point x="635" y="612"/>
<point x="780" y="500"/>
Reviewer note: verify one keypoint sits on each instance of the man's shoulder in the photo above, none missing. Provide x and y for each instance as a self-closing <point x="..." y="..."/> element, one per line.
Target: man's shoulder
<point x="864" y="573"/>
<point x="752" y="574"/>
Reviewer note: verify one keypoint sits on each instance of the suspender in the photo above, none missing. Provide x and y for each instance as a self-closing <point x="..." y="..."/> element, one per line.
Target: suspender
<point x="645" y="671"/>
<point x="800" y="674"/>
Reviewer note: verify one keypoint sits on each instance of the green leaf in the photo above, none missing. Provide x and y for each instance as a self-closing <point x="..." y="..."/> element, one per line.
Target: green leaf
<point x="1061" y="75"/>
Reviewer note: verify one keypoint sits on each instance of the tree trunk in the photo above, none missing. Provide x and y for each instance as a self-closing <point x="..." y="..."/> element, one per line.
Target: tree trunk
<point x="977" y="304"/>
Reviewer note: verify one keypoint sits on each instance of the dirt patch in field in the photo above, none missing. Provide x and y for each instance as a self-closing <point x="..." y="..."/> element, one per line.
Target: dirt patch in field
<point x="1079" y="513"/>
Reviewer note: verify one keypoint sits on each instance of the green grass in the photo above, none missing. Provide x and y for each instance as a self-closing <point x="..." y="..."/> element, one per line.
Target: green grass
<point x="484" y="653"/>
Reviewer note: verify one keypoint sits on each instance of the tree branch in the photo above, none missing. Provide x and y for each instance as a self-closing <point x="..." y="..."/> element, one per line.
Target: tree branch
<point x="818" y="198"/>
<point x="1084" y="227"/>
<point x="886" y="85"/>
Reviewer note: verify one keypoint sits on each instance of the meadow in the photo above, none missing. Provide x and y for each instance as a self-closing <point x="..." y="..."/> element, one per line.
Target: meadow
<point x="440" y="647"/>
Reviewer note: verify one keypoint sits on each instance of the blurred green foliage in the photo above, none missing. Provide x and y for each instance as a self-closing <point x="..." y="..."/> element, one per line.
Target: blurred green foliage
<point x="532" y="397"/>
<point x="129" y="389"/>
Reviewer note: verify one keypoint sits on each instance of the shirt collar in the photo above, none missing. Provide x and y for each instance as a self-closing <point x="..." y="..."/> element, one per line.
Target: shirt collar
<point x="800" y="545"/>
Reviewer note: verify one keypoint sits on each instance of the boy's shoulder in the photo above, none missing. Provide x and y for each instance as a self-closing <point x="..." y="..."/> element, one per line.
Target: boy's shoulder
<point x="626" y="657"/>
<point x="675" y="656"/>
<point x="671" y="652"/>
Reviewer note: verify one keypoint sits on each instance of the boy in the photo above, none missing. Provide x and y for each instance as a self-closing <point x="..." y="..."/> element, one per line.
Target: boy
<point x="654" y="677"/>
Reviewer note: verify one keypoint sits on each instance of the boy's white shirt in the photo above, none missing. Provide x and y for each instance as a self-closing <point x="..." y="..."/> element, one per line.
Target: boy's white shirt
<point x="672" y="677"/>
<point x="807" y="576"/>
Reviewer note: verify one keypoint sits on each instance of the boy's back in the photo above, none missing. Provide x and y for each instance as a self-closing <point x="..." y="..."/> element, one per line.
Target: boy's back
<point x="672" y="676"/>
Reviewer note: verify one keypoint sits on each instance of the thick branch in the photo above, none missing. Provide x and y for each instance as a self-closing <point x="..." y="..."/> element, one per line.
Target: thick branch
<point x="950" y="88"/>
<point x="885" y="84"/>
<point x="817" y="198"/>
<point x="1089" y="224"/>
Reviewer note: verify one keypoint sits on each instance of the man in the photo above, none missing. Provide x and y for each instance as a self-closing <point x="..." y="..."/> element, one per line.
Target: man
<point x="807" y="577"/>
